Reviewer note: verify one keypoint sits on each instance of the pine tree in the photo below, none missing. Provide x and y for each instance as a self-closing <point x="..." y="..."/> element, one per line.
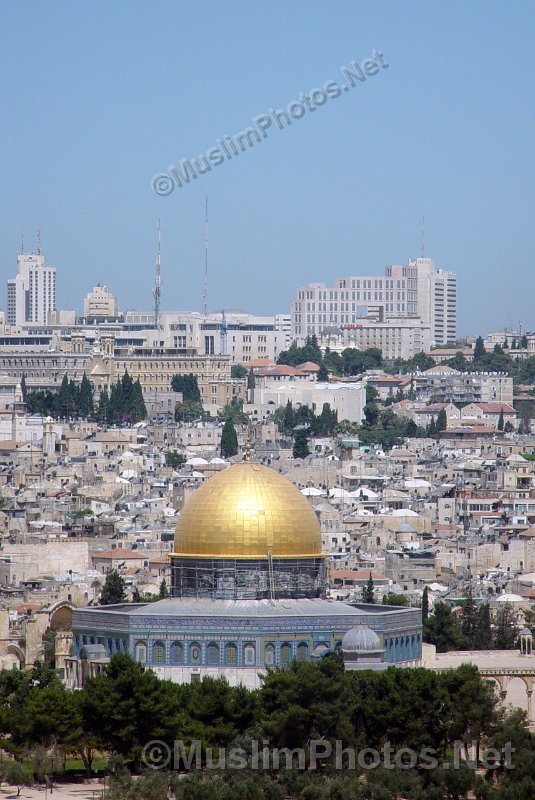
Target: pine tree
<point x="24" y="388"/>
<point x="301" y="448"/>
<point x="229" y="439"/>
<point x="322" y="375"/>
<point x="432" y="428"/>
<point x="368" y="593"/>
<point x="501" y="421"/>
<point x="425" y="603"/>
<point x="164" y="591"/>
<point x="113" y="591"/>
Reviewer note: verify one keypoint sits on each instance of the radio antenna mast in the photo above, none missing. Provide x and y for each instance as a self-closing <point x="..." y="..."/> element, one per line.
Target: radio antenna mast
<point x="157" y="291"/>
<point x="205" y="292"/>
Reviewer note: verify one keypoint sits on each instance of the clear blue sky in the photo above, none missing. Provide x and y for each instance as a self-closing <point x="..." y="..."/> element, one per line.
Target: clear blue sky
<point x="98" y="97"/>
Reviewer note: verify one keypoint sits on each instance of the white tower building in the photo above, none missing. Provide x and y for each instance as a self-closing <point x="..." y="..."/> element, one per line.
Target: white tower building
<point x="31" y="295"/>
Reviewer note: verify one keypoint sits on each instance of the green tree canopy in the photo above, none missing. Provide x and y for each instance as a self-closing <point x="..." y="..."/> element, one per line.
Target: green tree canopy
<point x="114" y="589"/>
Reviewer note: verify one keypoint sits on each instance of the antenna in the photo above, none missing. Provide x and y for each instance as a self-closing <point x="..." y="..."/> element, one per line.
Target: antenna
<point x="205" y="292"/>
<point x="423" y="237"/>
<point x="223" y="332"/>
<point x="39" y="242"/>
<point x="157" y="291"/>
<point x="22" y="242"/>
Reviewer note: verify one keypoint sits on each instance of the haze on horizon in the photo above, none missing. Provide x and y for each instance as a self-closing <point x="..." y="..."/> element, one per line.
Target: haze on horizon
<point x="98" y="98"/>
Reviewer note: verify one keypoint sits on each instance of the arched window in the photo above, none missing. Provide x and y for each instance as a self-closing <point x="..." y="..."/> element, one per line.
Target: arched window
<point x="249" y="654"/>
<point x="269" y="655"/>
<point x="158" y="652"/>
<point x="141" y="652"/>
<point x="195" y="653"/>
<point x="286" y="654"/>
<point x="231" y="654"/>
<point x="177" y="653"/>
<point x="213" y="653"/>
<point x="302" y="651"/>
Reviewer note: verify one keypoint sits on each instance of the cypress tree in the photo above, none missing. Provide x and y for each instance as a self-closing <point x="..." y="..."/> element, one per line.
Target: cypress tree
<point x="368" y="593"/>
<point x="301" y="448"/>
<point x="425" y="603"/>
<point x="86" y="397"/>
<point x="229" y="439"/>
<point x="469" y="617"/>
<point x="483" y="628"/>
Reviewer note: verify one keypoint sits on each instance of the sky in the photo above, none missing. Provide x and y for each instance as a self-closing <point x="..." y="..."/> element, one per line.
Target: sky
<point x="97" y="98"/>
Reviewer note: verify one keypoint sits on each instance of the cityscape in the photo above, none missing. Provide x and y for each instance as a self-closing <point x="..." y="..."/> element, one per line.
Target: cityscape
<point x="270" y="534"/>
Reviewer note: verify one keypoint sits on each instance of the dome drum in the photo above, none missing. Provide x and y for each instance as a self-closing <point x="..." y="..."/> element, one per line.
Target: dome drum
<point x="244" y="579"/>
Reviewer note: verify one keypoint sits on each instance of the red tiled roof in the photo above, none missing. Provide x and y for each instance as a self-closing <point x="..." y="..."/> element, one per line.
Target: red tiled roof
<point x="496" y="408"/>
<point x="309" y="366"/>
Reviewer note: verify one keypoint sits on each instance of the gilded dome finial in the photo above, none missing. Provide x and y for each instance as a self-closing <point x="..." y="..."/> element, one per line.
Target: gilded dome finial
<point x="248" y="444"/>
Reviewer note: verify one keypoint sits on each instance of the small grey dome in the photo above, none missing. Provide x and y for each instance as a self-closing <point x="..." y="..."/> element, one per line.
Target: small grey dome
<point x="361" y="639"/>
<point x="525" y="632"/>
<point x="406" y="527"/>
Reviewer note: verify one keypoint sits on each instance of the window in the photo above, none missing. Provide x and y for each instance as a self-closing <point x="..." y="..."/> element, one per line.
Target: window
<point x="249" y="655"/>
<point x="269" y="655"/>
<point x="213" y="653"/>
<point x="195" y="653"/>
<point x="158" y="652"/>
<point x="231" y="654"/>
<point x="141" y="652"/>
<point x="286" y="654"/>
<point x="177" y="653"/>
<point x="302" y="651"/>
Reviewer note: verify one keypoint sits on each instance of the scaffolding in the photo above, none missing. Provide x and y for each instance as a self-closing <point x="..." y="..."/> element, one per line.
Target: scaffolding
<point x="268" y="578"/>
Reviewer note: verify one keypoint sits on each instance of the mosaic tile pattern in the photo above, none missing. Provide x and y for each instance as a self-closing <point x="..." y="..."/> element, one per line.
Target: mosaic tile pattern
<point x="248" y="510"/>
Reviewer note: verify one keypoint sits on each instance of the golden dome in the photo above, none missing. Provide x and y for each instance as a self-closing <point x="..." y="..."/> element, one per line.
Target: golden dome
<point x="248" y="511"/>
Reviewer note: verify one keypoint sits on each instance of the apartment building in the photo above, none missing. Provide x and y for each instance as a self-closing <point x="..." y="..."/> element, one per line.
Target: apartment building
<point x="398" y="337"/>
<point x="416" y="289"/>
<point x="447" y="385"/>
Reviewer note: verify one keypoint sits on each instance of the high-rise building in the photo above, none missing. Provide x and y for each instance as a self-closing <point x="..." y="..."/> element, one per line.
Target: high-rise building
<point x="100" y="304"/>
<point x="437" y="299"/>
<point x="31" y="295"/>
<point x="416" y="289"/>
